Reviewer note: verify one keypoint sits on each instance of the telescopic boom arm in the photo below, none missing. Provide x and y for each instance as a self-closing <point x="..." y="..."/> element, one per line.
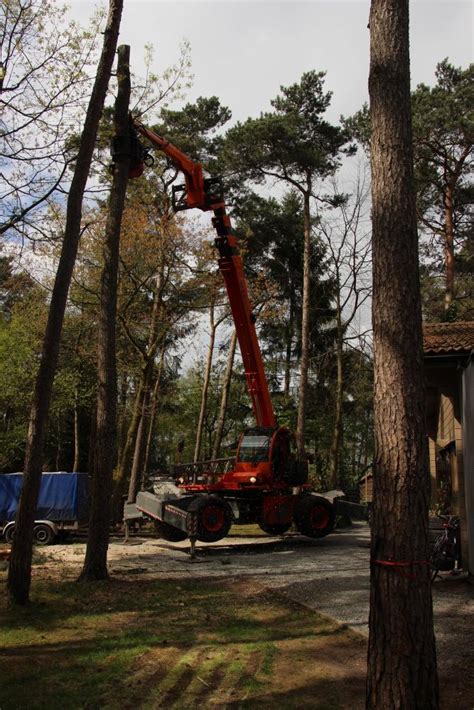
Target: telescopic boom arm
<point x="205" y="194"/>
<point x="192" y="171"/>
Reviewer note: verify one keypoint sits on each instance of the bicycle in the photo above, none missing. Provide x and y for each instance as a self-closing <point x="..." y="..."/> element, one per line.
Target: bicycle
<point x="447" y="548"/>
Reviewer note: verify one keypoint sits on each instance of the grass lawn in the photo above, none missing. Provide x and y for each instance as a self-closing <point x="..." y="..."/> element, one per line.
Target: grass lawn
<point x="148" y="643"/>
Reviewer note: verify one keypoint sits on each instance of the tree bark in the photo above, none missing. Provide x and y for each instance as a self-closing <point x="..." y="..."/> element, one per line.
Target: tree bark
<point x="19" y="574"/>
<point x="401" y="653"/>
<point x="305" y="325"/>
<point x="224" y="397"/>
<point x="95" y="563"/>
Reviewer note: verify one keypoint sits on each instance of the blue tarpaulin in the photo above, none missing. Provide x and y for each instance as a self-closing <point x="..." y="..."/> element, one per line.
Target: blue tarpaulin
<point x="62" y="496"/>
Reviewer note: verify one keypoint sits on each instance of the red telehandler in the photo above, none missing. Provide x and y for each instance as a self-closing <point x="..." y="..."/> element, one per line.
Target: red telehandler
<point x="266" y="483"/>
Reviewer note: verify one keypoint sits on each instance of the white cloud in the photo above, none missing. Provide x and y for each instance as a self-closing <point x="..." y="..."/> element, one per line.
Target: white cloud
<point x="243" y="51"/>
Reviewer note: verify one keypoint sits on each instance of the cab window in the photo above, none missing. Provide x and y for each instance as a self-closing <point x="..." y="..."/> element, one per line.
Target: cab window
<point x="254" y="448"/>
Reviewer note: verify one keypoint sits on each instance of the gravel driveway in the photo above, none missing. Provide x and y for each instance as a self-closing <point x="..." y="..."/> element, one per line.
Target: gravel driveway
<point x="329" y="575"/>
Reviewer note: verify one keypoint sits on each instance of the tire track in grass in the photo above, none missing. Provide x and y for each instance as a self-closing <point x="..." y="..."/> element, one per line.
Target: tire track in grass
<point x="242" y="677"/>
<point x="176" y="682"/>
<point x="205" y="689"/>
<point x="149" y="671"/>
<point x="212" y="678"/>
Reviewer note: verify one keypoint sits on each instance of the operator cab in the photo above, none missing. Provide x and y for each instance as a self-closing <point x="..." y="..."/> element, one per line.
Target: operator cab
<point x="254" y="446"/>
<point x="268" y="454"/>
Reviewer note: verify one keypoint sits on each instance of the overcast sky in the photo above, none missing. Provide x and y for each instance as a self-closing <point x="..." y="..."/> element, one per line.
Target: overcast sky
<point x="242" y="51"/>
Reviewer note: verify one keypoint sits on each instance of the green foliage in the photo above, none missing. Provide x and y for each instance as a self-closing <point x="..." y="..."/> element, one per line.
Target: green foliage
<point x="443" y="136"/>
<point x="13" y="286"/>
<point x="163" y="276"/>
<point x="20" y="346"/>
<point x="443" y="127"/>
<point x="195" y="128"/>
<point x="294" y="142"/>
<point x="179" y="413"/>
<point x="358" y="126"/>
<point x="272" y="236"/>
<point x="357" y="442"/>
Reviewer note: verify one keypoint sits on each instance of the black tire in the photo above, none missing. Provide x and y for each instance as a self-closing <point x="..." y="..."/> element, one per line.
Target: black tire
<point x="275" y="529"/>
<point x="213" y="518"/>
<point x="314" y="516"/>
<point x="43" y="534"/>
<point x="168" y="532"/>
<point x="9" y="534"/>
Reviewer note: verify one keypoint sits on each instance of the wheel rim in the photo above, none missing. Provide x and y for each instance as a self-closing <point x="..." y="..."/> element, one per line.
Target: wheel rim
<point x="213" y="518"/>
<point x="319" y="517"/>
<point x="42" y="535"/>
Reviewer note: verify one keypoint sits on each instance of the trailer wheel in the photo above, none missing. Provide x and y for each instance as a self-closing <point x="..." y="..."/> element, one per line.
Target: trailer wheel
<point x="168" y="532"/>
<point x="213" y="518"/>
<point x="9" y="534"/>
<point x="43" y="534"/>
<point x="275" y="529"/>
<point x="314" y="516"/>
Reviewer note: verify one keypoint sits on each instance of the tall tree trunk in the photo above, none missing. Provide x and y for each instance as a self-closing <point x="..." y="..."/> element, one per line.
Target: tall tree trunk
<point x="136" y="473"/>
<point x="289" y="348"/>
<point x="77" y="452"/>
<point x="154" y="407"/>
<point x="58" y="446"/>
<point x="105" y="450"/>
<point x="305" y="326"/>
<point x="139" y="449"/>
<point x="401" y="653"/>
<point x="336" y="443"/>
<point x="205" y="384"/>
<point x="225" y="396"/>
<point x="122" y="419"/>
<point x="449" y="246"/>
<point x="19" y="574"/>
<point x="129" y="463"/>
<point x="127" y="453"/>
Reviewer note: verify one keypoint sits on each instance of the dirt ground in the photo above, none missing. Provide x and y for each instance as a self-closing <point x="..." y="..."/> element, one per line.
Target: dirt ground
<point x="330" y="576"/>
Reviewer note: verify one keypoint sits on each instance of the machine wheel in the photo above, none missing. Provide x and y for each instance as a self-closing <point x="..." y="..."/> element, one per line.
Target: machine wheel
<point x="42" y="534"/>
<point x="314" y="516"/>
<point x="275" y="529"/>
<point x="168" y="532"/>
<point x="214" y="518"/>
<point x="9" y="534"/>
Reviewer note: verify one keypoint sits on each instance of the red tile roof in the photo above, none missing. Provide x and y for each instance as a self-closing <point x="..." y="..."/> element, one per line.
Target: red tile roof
<point x="444" y="338"/>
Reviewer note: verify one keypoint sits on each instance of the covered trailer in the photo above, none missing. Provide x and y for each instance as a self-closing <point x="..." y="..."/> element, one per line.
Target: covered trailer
<point x="62" y="504"/>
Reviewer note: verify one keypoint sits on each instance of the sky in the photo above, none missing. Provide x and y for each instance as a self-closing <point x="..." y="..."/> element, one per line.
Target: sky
<point x="243" y="50"/>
